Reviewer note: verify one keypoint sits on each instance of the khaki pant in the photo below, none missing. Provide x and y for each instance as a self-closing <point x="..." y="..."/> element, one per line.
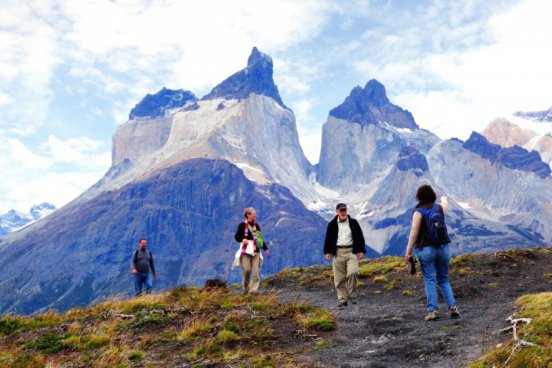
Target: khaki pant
<point x="250" y="268"/>
<point x="345" y="270"/>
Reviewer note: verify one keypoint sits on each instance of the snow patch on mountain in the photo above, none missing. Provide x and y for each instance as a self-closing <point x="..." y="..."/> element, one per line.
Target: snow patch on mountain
<point x="15" y="220"/>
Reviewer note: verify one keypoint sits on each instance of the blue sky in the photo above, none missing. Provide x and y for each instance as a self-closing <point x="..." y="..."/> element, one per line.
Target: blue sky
<point x="70" y="71"/>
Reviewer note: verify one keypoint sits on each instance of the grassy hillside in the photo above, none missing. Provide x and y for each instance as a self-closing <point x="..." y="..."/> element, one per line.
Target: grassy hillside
<point x="183" y="327"/>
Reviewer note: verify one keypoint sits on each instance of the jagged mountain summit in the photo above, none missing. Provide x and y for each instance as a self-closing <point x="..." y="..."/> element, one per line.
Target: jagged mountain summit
<point x="242" y="120"/>
<point x="14" y="220"/>
<point x="181" y="175"/>
<point x="370" y="105"/>
<point x="255" y="78"/>
<point x="363" y="137"/>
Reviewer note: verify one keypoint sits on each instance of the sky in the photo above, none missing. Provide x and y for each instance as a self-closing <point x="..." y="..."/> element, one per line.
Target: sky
<point x="70" y="71"/>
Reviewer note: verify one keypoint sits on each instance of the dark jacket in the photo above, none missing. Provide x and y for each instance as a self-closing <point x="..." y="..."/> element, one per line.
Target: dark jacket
<point x="330" y="244"/>
<point x="241" y="232"/>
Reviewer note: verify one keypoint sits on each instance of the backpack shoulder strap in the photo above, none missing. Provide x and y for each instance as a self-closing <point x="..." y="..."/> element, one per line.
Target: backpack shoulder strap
<point x="441" y="211"/>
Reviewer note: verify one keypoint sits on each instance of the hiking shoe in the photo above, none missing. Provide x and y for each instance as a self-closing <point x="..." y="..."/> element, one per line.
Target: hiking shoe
<point x="454" y="312"/>
<point x="341" y="304"/>
<point x="432" y="316"/>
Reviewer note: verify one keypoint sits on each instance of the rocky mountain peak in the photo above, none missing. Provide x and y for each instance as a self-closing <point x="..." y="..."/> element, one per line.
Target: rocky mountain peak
<point x="14" y="220"/>
<point x="541" y="116"/>
<point x="258" y="59"/>
<point x="370" y="105"/>
<point x="160" y="103"/>
<point x="506" y="133"/>
<point x="375" y="93"/>
<point x="412" y="159"/>
<point x="514" y="157"/>
<point x="477" y="143"/>
<point x="257" y="78"/>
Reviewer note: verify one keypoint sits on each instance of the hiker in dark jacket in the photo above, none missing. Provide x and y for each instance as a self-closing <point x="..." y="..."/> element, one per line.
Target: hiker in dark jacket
<point x="434" y="258"/>
<point x="142" y="268"/>
<point x="344" y="241"/>
<point x="249" y="255"/>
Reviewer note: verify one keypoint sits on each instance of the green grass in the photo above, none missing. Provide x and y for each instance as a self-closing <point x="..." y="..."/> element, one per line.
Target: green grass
<point x="226" y="336"/>
<point x="14" y="324"/>
<point x="539" y="308"/>
<point x="198" y="328"/>
<point x="320" y="320"/>
<point x="135" y="356"/>
<point x="260" y="306"/>
<point x="49" y="344"/>
<point x="380" y="266"/>
<point x="379" y="279"/>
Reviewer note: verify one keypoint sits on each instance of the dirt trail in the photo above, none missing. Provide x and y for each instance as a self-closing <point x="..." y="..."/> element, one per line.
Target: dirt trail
<point x="386" y="328"/>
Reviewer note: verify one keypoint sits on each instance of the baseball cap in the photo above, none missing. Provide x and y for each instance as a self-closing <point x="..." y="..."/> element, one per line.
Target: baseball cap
<point x="341" y="206"/>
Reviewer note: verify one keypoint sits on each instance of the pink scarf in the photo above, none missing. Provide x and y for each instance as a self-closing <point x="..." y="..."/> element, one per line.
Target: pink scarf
<point x="246" y="233"/>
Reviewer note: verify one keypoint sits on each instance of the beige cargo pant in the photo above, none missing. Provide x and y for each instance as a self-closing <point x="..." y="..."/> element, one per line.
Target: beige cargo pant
<point x="250" y="269"/>
<point x="345" y="270"/>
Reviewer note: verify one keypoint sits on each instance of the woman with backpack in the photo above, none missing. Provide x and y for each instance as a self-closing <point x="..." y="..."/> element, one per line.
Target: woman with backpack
<point x="429" y="235"/>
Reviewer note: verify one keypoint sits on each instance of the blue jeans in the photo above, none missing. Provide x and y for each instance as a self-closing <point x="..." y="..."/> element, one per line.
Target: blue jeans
<point x="435" y="264"/>
<point x="142" y="279"/>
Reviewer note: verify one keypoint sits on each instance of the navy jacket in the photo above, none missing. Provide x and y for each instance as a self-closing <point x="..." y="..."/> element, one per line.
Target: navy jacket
<point x="330" y="244"/>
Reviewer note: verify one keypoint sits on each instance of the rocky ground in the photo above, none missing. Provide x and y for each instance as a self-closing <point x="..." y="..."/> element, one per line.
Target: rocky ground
<point x="386" y="327"/>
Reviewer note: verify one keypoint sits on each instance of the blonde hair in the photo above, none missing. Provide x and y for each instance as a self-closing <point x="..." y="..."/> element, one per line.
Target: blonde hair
<point x="248" y="211"/>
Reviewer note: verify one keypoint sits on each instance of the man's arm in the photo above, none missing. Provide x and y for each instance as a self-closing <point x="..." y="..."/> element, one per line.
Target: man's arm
<point x="327" y="245"/>
<point x="361" y="238"/>
<point x="133" y="264"/>
<point x="152" y="266"/>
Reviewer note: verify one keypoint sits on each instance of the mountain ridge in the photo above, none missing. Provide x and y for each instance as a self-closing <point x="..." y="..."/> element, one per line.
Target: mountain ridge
<point x="189" y="174"/>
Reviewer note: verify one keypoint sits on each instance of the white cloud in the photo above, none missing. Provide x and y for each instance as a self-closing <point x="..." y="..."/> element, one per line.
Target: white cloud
<point x="57" y="172"/>
<point x="5" y="99"/>
<point x="468" y="72"/>
<point x="28" y="56"/>
<point x="195" y="46"/>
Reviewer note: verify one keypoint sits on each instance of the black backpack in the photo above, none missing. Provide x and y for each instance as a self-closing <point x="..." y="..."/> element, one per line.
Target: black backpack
<point x="136" y="255"/>
<point x="435" y="224"/>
